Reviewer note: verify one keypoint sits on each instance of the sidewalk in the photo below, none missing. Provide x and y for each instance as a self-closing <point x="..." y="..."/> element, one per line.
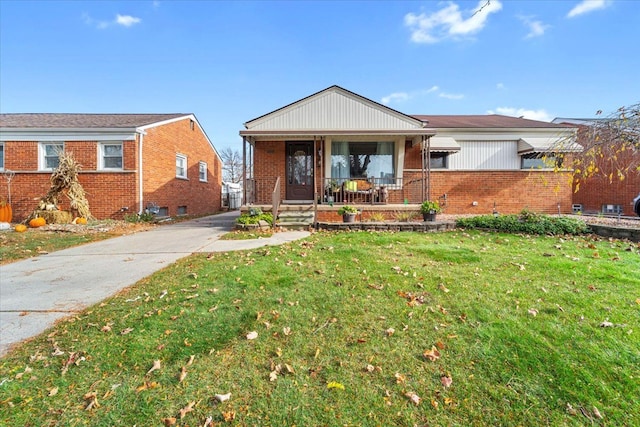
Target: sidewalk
<point x="36" y="292"/>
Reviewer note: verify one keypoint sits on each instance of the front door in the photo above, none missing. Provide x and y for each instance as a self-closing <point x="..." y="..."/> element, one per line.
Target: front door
<point x="299" y="170"/>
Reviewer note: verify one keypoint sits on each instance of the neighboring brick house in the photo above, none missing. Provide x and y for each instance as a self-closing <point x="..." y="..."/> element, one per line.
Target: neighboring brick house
<point x="599" y="193"/>
<point x="337" y="147"/>
<point x="129" y="162"/>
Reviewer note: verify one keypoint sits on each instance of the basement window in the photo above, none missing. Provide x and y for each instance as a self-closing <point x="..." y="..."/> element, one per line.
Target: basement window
<point x="182" y="210"/>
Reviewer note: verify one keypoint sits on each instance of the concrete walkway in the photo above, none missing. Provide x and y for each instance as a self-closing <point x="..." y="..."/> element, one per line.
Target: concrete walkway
<point x="36" y="292"/>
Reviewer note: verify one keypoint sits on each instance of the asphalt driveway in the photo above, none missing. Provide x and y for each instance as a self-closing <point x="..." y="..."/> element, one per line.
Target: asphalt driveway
<point x="36" y="292"/>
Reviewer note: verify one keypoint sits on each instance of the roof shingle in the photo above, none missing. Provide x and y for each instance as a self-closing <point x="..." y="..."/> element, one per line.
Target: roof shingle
<point x="81" y="121"/>
<point x="483" y="121"/>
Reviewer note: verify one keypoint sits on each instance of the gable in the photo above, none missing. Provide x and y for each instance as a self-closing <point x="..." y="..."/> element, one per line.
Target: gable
<point x="334" y="109"/>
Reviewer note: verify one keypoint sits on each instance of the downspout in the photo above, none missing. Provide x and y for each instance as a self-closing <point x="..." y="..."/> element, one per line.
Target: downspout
<point x="140" y="169"/>
<point x="244" y="170"/>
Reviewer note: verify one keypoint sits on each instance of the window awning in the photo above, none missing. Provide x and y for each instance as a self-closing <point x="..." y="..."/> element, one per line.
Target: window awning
<point x="545" y="145"/>
<point x="442" y="144"/>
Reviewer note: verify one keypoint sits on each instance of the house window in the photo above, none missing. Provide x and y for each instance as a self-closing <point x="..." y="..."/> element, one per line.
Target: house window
<point x="1" y="156"/>
<point x="540" y="161"/>
<point x="110" y="156"/>
<point x="181" y="166"/>
<point x="351" y="160"/>
<point x="182" y="210"/>
<point x="438" y="160"/>
<point x="50" y="155"/>
<point x="202" y="168"/>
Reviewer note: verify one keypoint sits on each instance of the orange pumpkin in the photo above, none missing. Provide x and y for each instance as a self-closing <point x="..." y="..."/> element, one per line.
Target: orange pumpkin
<point x="20" y="228"/>
<point x="80" y="220"/>
<point x="6" y="213"/>
<point x="37" y="222"/>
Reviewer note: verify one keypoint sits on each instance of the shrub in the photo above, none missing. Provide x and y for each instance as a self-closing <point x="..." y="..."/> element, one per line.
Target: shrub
<point x="254" y="216"/>
<point x="430" y="206"/>
<point x="143" y="217"/>
<point x="406" y="216"/>
<point x="347" y="209"/>
<point x="376" y="217"/>
<point x="526" y="222"/>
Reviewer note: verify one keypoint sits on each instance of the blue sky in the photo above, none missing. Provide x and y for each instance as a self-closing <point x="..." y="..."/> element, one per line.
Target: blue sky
<point x="229" y="62"/>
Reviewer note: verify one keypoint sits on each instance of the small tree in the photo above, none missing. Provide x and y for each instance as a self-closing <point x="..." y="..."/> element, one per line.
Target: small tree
<point x="610" y="147"/>
<point x="231" y="165"/>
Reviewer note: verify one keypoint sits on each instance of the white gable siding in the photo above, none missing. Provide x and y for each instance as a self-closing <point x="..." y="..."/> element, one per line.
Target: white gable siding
<point x="497" y="155"/>
<point x="333" y="110"/>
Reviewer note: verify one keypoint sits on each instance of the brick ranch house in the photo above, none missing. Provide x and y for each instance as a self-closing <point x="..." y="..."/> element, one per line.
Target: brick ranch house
<point x="336" y="147"/>
<point x="130" y="162"/>
<point x="599" y="194"/>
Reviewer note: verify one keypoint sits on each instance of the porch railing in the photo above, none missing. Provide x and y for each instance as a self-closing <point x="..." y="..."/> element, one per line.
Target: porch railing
<point x="275" y="200"/>
<point x="359" y="190"/>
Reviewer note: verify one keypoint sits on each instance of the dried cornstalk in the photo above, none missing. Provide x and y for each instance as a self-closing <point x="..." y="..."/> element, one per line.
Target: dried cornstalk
<point x="64" y="180"/>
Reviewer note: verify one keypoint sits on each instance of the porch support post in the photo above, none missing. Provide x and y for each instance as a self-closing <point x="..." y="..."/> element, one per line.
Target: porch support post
<point x="315" y="180"/>
<point x="244" y="170"/>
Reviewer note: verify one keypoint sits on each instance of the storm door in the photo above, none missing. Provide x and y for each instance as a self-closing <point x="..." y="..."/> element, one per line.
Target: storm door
<point x="299" y="170"/>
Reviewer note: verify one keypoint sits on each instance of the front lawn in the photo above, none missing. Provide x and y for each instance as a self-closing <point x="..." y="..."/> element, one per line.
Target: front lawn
<point x="355" y="329"/>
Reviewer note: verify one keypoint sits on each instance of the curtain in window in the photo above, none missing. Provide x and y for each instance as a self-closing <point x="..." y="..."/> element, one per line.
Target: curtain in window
<point x="340" y="160"/>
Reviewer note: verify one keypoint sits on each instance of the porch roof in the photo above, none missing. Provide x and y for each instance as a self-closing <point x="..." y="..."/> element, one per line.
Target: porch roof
<point x="311" y="133"/>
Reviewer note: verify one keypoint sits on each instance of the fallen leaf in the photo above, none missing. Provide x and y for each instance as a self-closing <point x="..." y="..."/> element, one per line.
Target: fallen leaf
<point x="606" y="324"/>
<point x="443" y="288"/>
<point x="168" y="422"/>
<point x="446" y="381"/>
<point x="92" y="398"/>
<point x="183" y="374"/>
<point x="155" y="367"/>
<point x="286" y="331"/>
<point x="597" y="413"/>
<point x="208" y="422"/>
<point x="53" y="391"/>
<point x="278" y="352"/>
<point x="414" y="398"/>
<point x="533" y="312"/>
<point x="400" y="379"/>
<point x="434" y="403"/>
<point x="191" y="359"/>
<point x="571" y="410"/>
<point x="432" y="354"/>
<point x="252" y="335"/>
<point x="334" y="384"/>
<point x="229" y="416"/>
<point x="184" y="411"/>
<point x="222" y="397"/>
<point x="390" y="332"/>
<point x="370" y="368"/>
<point x="126" y="331"/>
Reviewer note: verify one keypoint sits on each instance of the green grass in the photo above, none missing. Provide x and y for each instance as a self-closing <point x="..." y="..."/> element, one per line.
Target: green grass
<point x="324" y="307"/>
<point x="33" y="242"/>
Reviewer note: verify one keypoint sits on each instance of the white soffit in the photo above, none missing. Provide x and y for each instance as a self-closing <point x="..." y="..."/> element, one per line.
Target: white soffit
<point x="334" y="109"/>
<point x="542" y="145"/>
<point x="443" y="144"/>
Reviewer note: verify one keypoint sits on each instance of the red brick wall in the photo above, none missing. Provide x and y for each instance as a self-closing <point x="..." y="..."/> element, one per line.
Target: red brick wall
<point x="269" y="164"/>
<point x="598" y="191"/>
<point x="160" y="146"/>
<point x="108" y="191"/>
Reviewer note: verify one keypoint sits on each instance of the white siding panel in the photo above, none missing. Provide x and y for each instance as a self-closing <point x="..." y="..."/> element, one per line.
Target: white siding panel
<point x="497" y="155"/>
<point x="333" y="110"/>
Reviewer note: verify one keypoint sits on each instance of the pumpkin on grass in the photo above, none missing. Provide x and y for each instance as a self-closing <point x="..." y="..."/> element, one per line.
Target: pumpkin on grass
<point x="20" y="228"/>
<point x="80" y="220"/>
<point x="37" y="222"/>
<point x="6" y="213"/>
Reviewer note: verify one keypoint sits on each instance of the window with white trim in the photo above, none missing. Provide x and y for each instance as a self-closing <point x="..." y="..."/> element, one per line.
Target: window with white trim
<point x="110" y="156"/>
<point x="540" y="161"/>
<point x="1" y="156"/>
<point x="50" y="155"/>
<point x="202" y="171"/>
<point x="181" y="166"/>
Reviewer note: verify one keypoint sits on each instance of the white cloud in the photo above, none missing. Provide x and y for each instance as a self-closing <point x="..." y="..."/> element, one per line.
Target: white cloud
<point x="500" y="86"/>
<point x="395" y="97"/>
<point x="127" y="20"/>
<point x="536" y="28"/>
<point x="448" y="22"/>
<point x="540" y="115"/>
<point x="451" y="95"/>
<point x="586" y="6"/>
<point x="432" y="89"/>
<point x="124" y="20"/>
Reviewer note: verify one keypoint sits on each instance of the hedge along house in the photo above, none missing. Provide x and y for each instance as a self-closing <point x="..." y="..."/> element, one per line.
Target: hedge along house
<point x="130" y="162"/>
<point x="336" y="147"/>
